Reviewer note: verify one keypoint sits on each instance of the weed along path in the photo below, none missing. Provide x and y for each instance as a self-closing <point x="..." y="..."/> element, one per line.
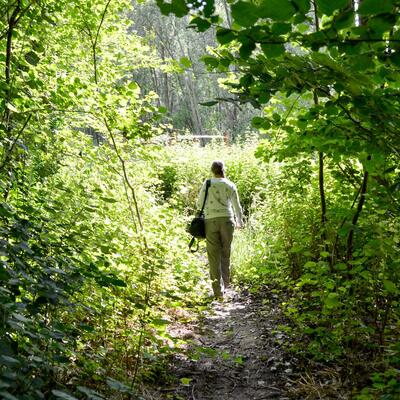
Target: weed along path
<point x="235" y="352"/>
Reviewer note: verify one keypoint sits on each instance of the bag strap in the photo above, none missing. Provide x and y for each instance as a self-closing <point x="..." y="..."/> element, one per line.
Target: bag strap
<point x="191" y="244"/>
<point x="208" y="184"/>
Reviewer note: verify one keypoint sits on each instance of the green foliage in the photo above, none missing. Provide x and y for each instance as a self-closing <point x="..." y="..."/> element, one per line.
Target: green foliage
<point x="385" y="385"/>
<point x="326" y="84"/>
<point x="179" y="181"/>
<point x="341" y="311"/>
<point x="70" y="271"/>
<point x="82" y="286"/>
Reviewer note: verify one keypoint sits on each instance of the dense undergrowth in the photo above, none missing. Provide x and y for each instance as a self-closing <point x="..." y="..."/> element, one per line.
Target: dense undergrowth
<point x="342" y="315"/>
<point x="87" y="296"/>
<point x="87" y="293"/>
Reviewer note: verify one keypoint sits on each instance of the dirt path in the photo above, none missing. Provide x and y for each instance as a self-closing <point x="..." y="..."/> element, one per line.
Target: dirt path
<point x="235" y="353"/>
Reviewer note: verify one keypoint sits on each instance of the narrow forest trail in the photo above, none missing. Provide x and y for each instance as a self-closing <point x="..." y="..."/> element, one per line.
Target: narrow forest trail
<point x="235" y="352"/>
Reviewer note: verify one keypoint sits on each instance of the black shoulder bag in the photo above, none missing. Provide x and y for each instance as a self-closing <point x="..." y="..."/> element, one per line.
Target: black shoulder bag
<point x="197" y="227"/>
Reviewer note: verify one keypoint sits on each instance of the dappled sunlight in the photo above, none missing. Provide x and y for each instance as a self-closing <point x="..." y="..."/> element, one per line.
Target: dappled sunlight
<point x="231" y="337"/>
<point x="225" y="309"/>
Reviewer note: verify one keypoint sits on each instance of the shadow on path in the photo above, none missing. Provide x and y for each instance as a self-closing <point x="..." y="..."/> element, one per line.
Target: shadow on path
<point x="234" y="353"/>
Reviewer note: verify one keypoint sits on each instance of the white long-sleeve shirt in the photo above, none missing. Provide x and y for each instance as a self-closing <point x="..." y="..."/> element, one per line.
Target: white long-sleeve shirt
<point x="222" y="200"/>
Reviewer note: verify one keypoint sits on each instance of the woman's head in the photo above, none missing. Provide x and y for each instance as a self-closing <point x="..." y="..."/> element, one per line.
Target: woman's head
<point x="218" y="168"/>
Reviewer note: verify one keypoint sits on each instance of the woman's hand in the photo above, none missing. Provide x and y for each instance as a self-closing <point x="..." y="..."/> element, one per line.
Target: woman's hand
<point x="239" y="225"/>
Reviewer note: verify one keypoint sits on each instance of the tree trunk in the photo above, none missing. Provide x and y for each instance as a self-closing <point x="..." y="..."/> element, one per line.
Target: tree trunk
<point x="191" y="95"/>
<point x="194" y="106"/>
<point x="361" y="201"/>
<point x="167" y="99"/>
<point x="227" y="13"/>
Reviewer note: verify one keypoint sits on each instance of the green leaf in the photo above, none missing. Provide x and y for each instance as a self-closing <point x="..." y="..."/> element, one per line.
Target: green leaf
<point x="264" y="98"/>
<point x="32" y="58"/>
<point x="200" y="24"/>
<point x="12" y="108"/>
<point x="303" y="28"/>
<point x="238" y="360"/>
<point x="298" y="248"/>
<point x="277" y="10"/>
<point x="133" y="86"/>
<point x="117" y="282"/>
<point x="7" y="396"/>
<point x="177" y="7"/>
<point x="160" y="321"/>
<point x="209" y="9"/>
<point x="63" y="395"/>
<point x="257" y="122"/>
<point x="110" y="280"/>
<point x="210" y="61"/>
<point x="6" y="210"/>
<point x="185" y="62"/>
<point x="276" y="117"/>
<point x="7" y="360"/>
<point x="344" y="20"/>
<point x="20" y="318"/>
<point x="246" y="49"/>
<point x="86" y="327"/>
<point x="90" y="393"/>
<point x="186" y="381"/>
<point x="363" y="62"/>
<point x="369" y="7"/>
<point x="390" y="169"/>
<point x="4" y="274"/>
<point x="381" y="24"/>
<point x="366" y="275"/>
<point x="310" y="264"/>
<point x="390" y="287"/>
<point x="225" y="62"/>
<point x="207" y="350"/>
<point x="332" y="300"/>
<point x="273" y="50"/>
<point x="246" y="80"/>
<point x="302" y="5"/>
<point x="281" y="28"/>
<point x="245" y="13"/>
<point x="327" y="7"/>
<point x="225" y="35"/>
<point x="341" y="266"/>
<point x="395" y="59"/>
<point x="117" y="385"/>
<point x="108" y="199"/>
<point x="226" y="355"/>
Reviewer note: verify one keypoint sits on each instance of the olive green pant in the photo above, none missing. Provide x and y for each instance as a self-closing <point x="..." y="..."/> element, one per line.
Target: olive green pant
<point x="219" y="234"/>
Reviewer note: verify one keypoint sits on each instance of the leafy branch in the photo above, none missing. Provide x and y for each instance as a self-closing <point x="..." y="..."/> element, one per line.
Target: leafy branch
<point x="350" y="237"/>
<point x="14" y="142"/>
<point x="128" y="185"/>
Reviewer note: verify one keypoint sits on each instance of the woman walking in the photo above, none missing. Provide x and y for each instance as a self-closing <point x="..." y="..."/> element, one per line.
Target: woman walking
<point x="222" y="212"/>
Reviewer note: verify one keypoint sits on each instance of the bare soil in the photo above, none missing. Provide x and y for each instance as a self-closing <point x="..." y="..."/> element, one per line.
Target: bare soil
<point x="235" y="351"/>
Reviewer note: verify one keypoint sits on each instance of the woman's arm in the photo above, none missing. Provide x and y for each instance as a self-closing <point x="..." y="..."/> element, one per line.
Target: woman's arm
<point x="237" y="208"/>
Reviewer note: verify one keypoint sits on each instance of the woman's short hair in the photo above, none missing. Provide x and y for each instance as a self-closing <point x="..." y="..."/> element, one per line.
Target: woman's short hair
<point x="218" y="168"/>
